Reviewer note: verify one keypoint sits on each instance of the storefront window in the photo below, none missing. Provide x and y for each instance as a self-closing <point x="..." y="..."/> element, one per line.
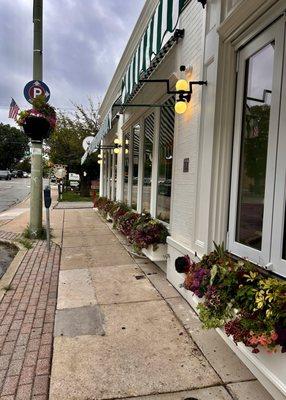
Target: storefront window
<point x="257" y="201"/>
<point x="135" y="161"/>
<point x="115" y="176"/>
<point x="109" y="174"/>
<point x="149" y="124"/>
<point x="254" y="146"/>
<point x="126" y="170"/>
<point x="166" y="139"/>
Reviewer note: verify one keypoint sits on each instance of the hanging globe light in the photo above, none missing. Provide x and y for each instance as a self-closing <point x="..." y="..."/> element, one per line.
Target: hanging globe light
<point x="182" y="85"/>
<point x="180" y="107"/>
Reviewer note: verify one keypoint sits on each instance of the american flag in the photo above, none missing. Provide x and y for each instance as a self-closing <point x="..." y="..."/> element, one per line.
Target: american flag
<point x="14" y="109"/>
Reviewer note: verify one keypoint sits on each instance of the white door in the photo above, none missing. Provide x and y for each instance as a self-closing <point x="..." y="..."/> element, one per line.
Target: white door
<point x="257" y="132"/>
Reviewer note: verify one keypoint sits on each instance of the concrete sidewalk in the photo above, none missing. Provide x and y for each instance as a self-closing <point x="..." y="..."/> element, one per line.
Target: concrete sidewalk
<point x="122" y="331"/>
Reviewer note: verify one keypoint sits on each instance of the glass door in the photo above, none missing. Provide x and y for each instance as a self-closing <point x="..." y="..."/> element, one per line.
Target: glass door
<point x="255" y="145"/>
<point x="278" y="245"/>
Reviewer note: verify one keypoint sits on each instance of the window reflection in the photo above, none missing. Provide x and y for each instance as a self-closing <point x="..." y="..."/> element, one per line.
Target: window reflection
<point x="135" y="160"/>
<point x="255" y="129"/>
<point x="126" y="170"/>
<point x="147" y="159"/>
<point x="166" y="139"/>
<point x="115" y="175"/>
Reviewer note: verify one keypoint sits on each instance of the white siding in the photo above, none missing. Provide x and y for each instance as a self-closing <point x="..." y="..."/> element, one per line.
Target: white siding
<point x="190" y="52"/>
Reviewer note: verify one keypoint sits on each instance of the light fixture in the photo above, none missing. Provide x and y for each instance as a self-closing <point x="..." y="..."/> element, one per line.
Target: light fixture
<point x="116" y="150"/>
<point x="182" y="85"/>
<point x="126" y="151"/>
<point x="116" y="141"/>
<point x="126" y="141"/>
<point x="180" y="106"/>
<point x="99" y="161"/>
<point x="99" y="156"/>
<point x="183" y="92"/>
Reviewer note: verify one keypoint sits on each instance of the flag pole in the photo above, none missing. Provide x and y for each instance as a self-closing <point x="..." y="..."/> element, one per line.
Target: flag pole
<point x="36" y="199"/>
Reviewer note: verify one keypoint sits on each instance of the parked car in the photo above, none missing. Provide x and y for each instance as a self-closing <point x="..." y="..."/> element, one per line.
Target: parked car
<point x="5" y="174"/>
<point x="25" y="174"/>
<point x="14" y="174"/>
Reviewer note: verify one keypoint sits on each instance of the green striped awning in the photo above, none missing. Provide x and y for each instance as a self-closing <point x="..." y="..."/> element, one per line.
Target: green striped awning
<point x="103" y="130"/>
<point x="159" y="30"/>
<point x="159" y="37"/>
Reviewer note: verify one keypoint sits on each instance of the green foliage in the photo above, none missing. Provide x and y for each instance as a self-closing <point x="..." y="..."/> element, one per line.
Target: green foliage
<point x="40" y="104"/>
<point x="25" y="242"/>
<point x="24" y="165"/>
<point x="39" y="235"/>
<point x="256" y="147"/>
<point x="13" y="146"/>
<point x="72" y="196"/>
<point x="250" y="306"/>
<point x="211" y="319"/>
<point x="140" y="229"/>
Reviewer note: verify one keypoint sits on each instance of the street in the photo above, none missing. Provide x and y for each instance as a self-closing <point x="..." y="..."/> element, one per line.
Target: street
<point x="13" y="192"/>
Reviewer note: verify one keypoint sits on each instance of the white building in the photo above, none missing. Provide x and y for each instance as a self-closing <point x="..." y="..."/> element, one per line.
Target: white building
<point x="216" y="172"/>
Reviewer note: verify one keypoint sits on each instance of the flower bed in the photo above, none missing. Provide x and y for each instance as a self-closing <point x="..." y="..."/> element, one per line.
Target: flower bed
<point x="234" y="295"/>
<point x="140" y="229"/>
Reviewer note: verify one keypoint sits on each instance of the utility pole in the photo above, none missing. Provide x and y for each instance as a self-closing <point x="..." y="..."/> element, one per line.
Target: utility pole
<point x="36" y="156"/>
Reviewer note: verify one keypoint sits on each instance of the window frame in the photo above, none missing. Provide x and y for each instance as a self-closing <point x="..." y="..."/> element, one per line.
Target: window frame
<point x="154" y="159"/>
<point x="167" y="224"/>
<point x="273" y="33"/>
<point x="131" y="151"/>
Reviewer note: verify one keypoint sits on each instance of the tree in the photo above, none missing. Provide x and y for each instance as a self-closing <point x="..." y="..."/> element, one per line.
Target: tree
<point x="13" y="146"/>
<point x="24" y="164"/>
<point x="66" y="142"/>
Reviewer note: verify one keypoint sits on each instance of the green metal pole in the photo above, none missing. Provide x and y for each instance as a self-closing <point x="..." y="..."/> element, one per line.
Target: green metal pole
<point x="36" y="199"/>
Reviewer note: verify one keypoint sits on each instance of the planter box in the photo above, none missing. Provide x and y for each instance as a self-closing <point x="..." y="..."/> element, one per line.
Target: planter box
<point x="109" y="218"/>
<point x="269" y="369"/>
<point x="160" y="254"/>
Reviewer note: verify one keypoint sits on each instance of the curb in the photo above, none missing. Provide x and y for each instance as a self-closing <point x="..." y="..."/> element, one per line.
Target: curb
<point x="12" y="268"/>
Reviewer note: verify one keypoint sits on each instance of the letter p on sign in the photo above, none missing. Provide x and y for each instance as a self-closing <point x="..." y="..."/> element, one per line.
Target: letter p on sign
<point x="37" y="92"/>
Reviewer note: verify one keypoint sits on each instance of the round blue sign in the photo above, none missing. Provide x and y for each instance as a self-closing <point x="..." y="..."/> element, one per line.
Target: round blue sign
<point x="36" y="88"/>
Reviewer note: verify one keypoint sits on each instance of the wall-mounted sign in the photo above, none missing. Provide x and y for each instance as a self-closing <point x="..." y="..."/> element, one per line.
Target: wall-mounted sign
<point x="74" y="183"/>
<point x="74" y="177"/>
<point x="186" y="165"/>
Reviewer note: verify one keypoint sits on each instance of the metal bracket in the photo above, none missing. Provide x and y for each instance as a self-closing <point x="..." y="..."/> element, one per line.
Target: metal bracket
<point x="183" y="94"/>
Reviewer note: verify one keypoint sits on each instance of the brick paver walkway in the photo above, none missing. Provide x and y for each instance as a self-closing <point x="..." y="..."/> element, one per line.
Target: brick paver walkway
<point x="27" y="314"/>
<point x="9" y="235"/>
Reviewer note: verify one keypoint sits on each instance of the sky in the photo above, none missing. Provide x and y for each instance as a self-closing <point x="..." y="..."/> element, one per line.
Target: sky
<point x="83" y="43"/>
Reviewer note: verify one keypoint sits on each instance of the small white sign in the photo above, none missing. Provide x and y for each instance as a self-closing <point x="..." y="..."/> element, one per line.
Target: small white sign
<point x="74" y="177"/>
<point x="60" y="173"/>
<point x="74" y="183"/>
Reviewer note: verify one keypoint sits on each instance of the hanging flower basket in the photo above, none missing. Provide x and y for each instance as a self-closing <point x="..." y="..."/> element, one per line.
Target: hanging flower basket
<point x="37" y="128"/>
<point x="38" y="122"/>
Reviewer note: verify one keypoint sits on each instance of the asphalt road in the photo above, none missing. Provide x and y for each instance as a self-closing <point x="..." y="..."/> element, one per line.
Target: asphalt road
<point x="13" y="192"/>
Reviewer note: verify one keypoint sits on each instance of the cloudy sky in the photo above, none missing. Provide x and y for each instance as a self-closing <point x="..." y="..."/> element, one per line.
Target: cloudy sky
<point x="83" y="43"/>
